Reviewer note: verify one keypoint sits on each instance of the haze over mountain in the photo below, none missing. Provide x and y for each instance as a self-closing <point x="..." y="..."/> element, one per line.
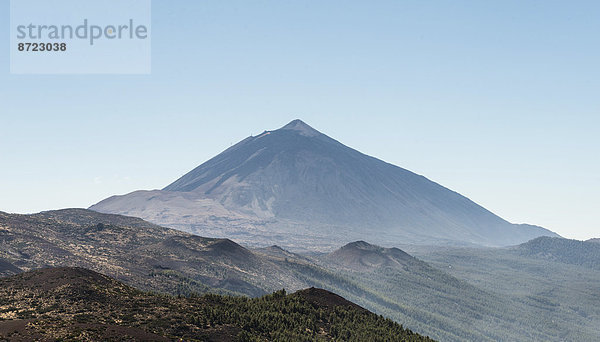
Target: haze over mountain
<point x="297" y="187"/>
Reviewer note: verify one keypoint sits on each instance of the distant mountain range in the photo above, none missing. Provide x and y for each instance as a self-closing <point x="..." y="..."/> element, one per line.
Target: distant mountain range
<point x="303" y="190"/>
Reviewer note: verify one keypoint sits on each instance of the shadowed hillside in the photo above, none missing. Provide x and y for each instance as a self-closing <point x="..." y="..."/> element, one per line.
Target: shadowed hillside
<point x="78" y="304"/>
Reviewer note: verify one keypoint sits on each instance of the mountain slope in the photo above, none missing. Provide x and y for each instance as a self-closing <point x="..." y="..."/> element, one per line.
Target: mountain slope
<point x="7" y="268"/>
<point x="556" y="299"/>
<point x="139" y="253"/>
<point x="583" y="253"/>
<point x="154" y="258"/>
<point x="78" y="304"/>
<point x="385" y="281"/>
<point x="425" y="294"/>
<point x="159" y="259"/>
<point x="475" y="294"/>
<point x="296" y="186"/>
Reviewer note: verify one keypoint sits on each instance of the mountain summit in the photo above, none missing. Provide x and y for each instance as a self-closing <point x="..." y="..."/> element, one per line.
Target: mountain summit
<point x="302" y="128"/>
<point x="296" y="187"/>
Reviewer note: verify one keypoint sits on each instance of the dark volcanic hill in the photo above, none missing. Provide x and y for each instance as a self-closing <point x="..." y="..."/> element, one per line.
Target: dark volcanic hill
<point x="77" y="304"/>
<point x="296" y="187"/>
<point x="362" y="256"/>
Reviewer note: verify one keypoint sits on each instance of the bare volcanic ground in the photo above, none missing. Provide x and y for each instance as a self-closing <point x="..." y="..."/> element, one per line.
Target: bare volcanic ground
<point x="139" y="253"/>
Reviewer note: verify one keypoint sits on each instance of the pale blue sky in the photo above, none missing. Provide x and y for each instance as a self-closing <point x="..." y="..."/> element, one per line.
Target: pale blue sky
<point x="497" y="100"/>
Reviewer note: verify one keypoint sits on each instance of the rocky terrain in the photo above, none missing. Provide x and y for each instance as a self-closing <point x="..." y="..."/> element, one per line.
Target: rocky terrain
<point x="139" y="253"/>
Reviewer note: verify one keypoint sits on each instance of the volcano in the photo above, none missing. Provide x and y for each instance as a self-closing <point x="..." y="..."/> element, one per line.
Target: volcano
<point x="298" y="188"/>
